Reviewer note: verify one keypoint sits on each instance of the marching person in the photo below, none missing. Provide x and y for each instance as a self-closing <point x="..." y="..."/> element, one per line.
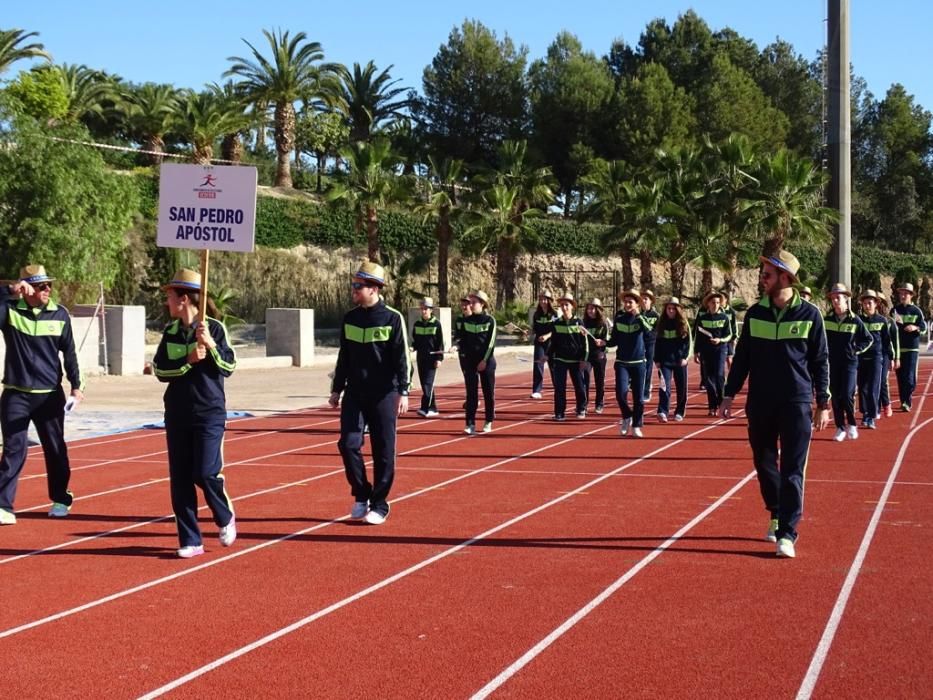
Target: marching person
<point x="846" y="338"/>
<point x="569" y="349"/>
<point x="871" y="362"/>
<point x="594" y="321"/>
<point x="713" y="332"/>
<point x="672" y="355"/>
<point x="373" y="373"/>
<point x="542" y="325"/>
<point x="910" y="326"/>
<point x="782" y="352"/>
<point x="650" y="318"/>
<point x="478" y="343"/>
<point x="733" y="327"/>
<point x="806" y="294"/>
<point x="193" y="358"/>
<point x="884" y="395"/>
<point x="36" y="330"/>
<point x="428" y="341"/>
<point x="628" y="335"/>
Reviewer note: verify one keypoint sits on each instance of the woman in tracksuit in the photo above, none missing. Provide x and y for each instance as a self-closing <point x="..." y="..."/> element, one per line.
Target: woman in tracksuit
<point x="673" y="348"/>
<point x="871" y="362"/>
<point x="542" y="325"/>
<point x="884" y="396"/>
<point x="594" y="321"/>
<point x="629" y="332"/>
<point x="477" y="344"/>
<point x="428" y="341"/>
<point x="713" y="333"/>
<point x="569" y="350"/>
<point x="650" y="317"/>
<point x="193" y="357"/>
<point x="847" y="338"/>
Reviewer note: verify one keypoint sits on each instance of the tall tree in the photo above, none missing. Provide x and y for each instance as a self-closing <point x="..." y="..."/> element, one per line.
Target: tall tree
<point x="150" y="111"/>
<point x="202" y="119"/>
<point x="443" y="188"/>
<point x="40" y="94"/>
<point x="608" y="184"/>
<point x="475" y="95"/>
<point x="13" y="47"/>
<point x="787" y="79"/>
<point x="294" y="71"/>
<point x="366" y="100"/>
<point x="322" y="134"/>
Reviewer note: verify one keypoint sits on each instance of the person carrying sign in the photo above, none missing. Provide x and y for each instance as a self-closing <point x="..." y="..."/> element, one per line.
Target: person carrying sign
<point x="194" y="357"/>
<point x="35" y="330"/>
<point x="373" y="373"/>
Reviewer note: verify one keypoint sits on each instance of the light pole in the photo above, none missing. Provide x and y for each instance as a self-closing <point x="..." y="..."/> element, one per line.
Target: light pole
<point x="840" y="140"/>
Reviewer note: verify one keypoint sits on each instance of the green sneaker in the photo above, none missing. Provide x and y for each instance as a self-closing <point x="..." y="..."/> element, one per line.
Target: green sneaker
<point x="771" y="535"/>
<point x="7" y="517"/>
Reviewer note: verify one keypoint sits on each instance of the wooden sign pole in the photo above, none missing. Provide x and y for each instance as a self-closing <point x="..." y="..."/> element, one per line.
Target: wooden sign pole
<point x="205" y="264"/>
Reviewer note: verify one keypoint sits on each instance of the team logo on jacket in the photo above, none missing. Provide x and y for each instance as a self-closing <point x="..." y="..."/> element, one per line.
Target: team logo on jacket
<point x="794" y="330"/>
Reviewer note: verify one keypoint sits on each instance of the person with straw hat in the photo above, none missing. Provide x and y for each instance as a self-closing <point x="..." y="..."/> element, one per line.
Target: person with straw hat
<point x="712" y="335"/>
<point x="479" y="362"/>
<point x="194" y="357"/>
<point x="628" y="336"/>
<point x="871" y="362"/>
<point x="542" y="325"/>
<point x="36" y="331"/>
<point x="782" y="352"/>
<point x="846" y="338"/>
<point x="569" y="349"/>
<point x="910" y="326"/>
<point x="672" y="356"/>
<point x="884" y="395"/>
<point x="428" y="340"/>
<point x="595" y="323"/>
<point x="373" y="374"/>
<point x="650" y="317"/>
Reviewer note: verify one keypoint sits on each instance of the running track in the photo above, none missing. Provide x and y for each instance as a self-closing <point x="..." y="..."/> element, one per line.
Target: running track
<point x="542" y="560"/>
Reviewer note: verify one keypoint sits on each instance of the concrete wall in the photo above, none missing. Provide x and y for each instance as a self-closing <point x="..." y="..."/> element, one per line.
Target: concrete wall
<point x="291" y="332"/>
<point x="126" y="337"/>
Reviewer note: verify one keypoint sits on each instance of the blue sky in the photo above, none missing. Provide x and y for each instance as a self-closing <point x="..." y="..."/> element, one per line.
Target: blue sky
<point x="187" y="43"/>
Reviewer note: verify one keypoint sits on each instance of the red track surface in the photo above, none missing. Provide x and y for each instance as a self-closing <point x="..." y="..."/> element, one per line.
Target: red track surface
<point x="543" y="560"/>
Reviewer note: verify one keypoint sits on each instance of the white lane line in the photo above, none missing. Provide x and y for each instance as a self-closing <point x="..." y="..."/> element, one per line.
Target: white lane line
<point x="427" y="562"/>
<point x="808" y="684"/>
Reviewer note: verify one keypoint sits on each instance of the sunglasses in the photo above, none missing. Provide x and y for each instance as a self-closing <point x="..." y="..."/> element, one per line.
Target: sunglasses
<point x="360" y="285"/>
<point x="42" y="286"/>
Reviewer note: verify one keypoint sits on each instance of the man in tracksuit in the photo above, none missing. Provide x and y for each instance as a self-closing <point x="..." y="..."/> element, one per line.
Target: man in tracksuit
<point x="35" y="330"/>
<point x="374" y="373"/>
<point x="910" y="326"/>
<point x="428" y="342"/>
<point x="847" y="338"/>
<point x="782" y="351"/>
<point x="650" y="318"/>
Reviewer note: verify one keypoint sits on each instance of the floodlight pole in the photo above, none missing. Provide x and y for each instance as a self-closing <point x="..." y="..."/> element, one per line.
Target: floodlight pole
<point x="840" y="140"/>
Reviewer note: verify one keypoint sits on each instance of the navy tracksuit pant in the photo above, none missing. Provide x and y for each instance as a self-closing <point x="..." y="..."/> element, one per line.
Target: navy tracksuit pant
<point x="195" y="459"/>
<point x="649" y="363"/>
<point x="907" y="376"/>
<point x="842" y="385"/>
<point x="869" y="386"/>
<point x="381" y="416"/>
<point x="714" y="363"/>
<point x="634" y="375"/>
<point x="678" y="375"/>
<point x="599" y="379"/>
<point x="781" y="472"/>
<point x="559" y="372"/>
<point x="884" y="394"/>
<point x="473" y="379"/>
<point x="426" y="374"/>
<point x="47" y="411"/>
<point x="537" y="373"/>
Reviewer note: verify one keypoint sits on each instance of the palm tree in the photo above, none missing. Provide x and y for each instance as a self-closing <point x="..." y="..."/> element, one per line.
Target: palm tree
<point x="150" y="112"/>
<point x="12" y="48"/>
<point x="685" y="183"/>
<point x="497" y="226"/>
<point x="534" y="185"/>
<point x="788" y="203"/>
<point x="647" y="227"/>
<point x="607" y="182"/>
<point x="444" y="207"/>
<point x="364" y="99"/>
<point x="89" y="91"/>
<point x="202" y="120"/>
<point x="291" y="74"/>
<point x="370" y="186"/>
<point x="236" y="119"/>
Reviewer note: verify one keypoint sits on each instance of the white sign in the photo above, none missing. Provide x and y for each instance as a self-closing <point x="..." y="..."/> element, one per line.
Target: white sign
<point x="209" y="207"/>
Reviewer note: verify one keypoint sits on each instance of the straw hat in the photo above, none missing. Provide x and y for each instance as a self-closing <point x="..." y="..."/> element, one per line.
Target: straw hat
<point x="633" y="293"/>
<point x="371" y="272"/>
<point x="673" y="300"/>
<point x="807" y="291"/>
<point x="869" y="294"/>
<point x="546" y="293"/>
<point x="647" y="293"/>
<point x="906" y="287"/>
<point x="34" y="274"/>
<point x="427" y="303"/>
<point x="838" y="288"/>
<point x="712" y="294"/>
<point x="595" y="301"/>
<point x="185" y="279"/>
<point x="482" y="296"/>
<point x="567" y="296"/>
<point x="784" y="261"/>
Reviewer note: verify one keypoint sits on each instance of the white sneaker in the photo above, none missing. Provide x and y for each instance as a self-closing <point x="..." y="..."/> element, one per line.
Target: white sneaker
<point x="662" y="418"/>
<point x="374" y="517"/>
<point x="771" y="535"/>
<point x="852" y="432"/>
<point x="59" y="510"/>
<point x="487" y="426"/>
<point x="228" y="533"/>
<point x="431" y="414"/>
<point x="470" y="430"/>
<point x="785" y="548"/>
<point x="679" y="418"/>
<point x="422" y="413"/>
<point x="637" y="433"/>
<point x="599" y="409"/>
<point x="624" y="426"/>
<point x="840" y="435"/>
<point x="359" y="510"/>
<point x="7" y="517"/>
<point x="536" y="395"/>
<point x="192" y="550"/>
